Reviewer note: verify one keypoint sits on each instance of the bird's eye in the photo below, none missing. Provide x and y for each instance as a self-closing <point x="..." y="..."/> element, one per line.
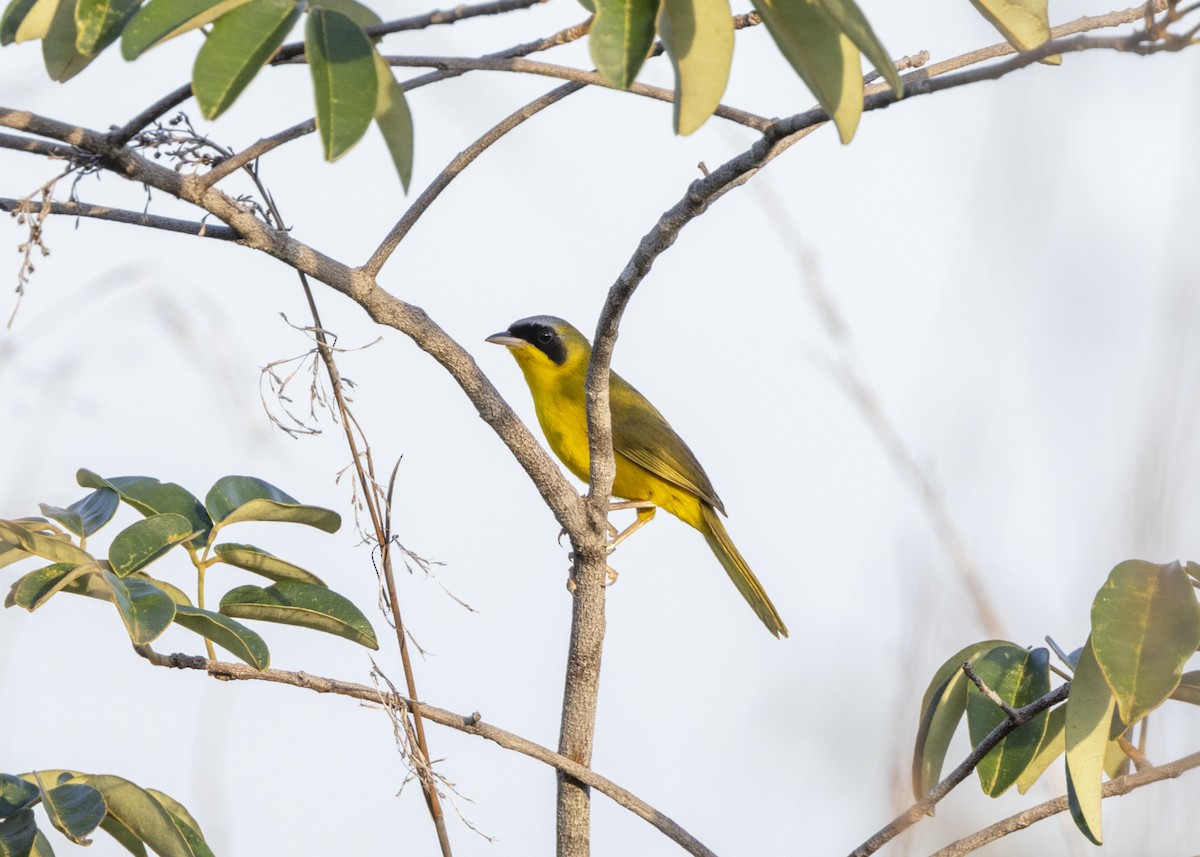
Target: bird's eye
<point x="545" y="336"/>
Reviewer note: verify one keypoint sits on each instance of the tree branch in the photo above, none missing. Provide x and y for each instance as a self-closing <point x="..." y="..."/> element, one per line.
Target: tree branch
<point x="922" y="807"/>
<point x="472" y="725"/>
<point x="136" y="218"/>
<point x="1113" y="788"/>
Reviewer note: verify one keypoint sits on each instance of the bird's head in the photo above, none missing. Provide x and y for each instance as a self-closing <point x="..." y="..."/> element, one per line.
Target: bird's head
<point x="543" y="343"/>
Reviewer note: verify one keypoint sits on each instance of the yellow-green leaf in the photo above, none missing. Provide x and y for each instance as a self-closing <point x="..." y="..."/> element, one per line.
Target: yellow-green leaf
<point x="145" y="609"/>
<point x="240" y="43"/>
<point x="161" y="20"/>
<point x="394" y="120"/>
<point x="63" y="61"/>
<point x="143" y="542"/>
<point x="36" y="21"/>
<point x="260" y="562"/>
<point x="14" y="14"/>
<point x="620" y="38"/>
<point x="247" y="498"/>
<point x="35" y="589"/>
<point x="232" y="636"/>
<point x="825" y="58"/>
<point x="345" y="82"/>
<point x="698" y="36"/>
<point x="1089" y="715"/>
<point x="26" y="536"/>
<point x="150" y="497"/>
<point x="99" y="22"/>
<point x="1145" y="626"/>
<point x="1024" y="23"/>
<point x="854" y="24"/>
<point x="139" y="813"/>
<point x="1052" y="746"/>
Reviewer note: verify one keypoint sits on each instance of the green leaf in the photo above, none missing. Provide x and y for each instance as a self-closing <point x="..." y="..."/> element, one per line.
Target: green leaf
<point x="139" y="813"/>
<point x="1089" y="715"/>
<point x="10" y="553"/>
<point x="151" y="497"/>
<point x="942" y="708"/>
<point x="1145" y="626"/>
<point x="123" y="835"/>
<point x="620" y="38"/>
<point x="355" y="11"/>
<point x="35" y="589"/>
<point x="161" y="20"/>
<point x="26" y="536"/>
<point x="99" y="22"/>
<point x="84" y="517"/>
<point x="63" y="61"/>
<point x="10" y="21"/>
<point x="232" y="636"/>
<point x="345" y="82"/>
<point x="1116" y="763"/>
<point x="41" y="846"/>
<point x="142" y="543"/>
<point x="698" y="36"/>
<point x="16" y="794"/>
<point x="36" y="22"/>
<point x="75" y="810"/>
<point x="245" y="498"/>
<point x="1054" y="742"/>
<point x="394" y="120"/>
<point x="260" y="562"/>
<point x="1018" y="677"/>
<point x="177" y="595"/>
<point x="1189" y="688"/>
<point x="17" y="833"/>
<point x="1024" y="23"/>
<point x="825" y="58"/>
<point x="852" y="22"/>
<point x="240" y="43"/>
<point x="301" y="604"/>
<point x="1193" y="571"/>
<point x="145" y="609"/>
<point x="176" y="810"/>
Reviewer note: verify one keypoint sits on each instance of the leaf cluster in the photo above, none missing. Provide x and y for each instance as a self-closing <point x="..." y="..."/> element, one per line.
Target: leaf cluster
<point x="1145" y="626"/>
<point x="176" y="521"/>
<point x="78" y="804"/>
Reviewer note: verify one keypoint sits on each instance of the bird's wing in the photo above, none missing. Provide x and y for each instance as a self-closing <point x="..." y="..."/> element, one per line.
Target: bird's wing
<point x="642" y="434"/>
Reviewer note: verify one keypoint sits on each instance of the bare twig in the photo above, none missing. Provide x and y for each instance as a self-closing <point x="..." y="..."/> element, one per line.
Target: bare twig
<point x="1113" y="788"/>
<point x="922" y="807"/>
<point x="136" y="218"/>
<point x="1008" y="710"/>
<point x="471" y="724"/>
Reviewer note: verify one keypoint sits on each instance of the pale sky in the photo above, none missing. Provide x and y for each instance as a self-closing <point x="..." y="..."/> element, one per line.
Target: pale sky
<point x="1012" y="265"/>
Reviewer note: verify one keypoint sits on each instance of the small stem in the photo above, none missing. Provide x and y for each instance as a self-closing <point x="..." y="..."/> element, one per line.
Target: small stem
<point x="1012" y="713"/>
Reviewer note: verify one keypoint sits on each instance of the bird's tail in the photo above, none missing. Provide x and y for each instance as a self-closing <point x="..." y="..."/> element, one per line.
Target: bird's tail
<point x="739" y="571"/>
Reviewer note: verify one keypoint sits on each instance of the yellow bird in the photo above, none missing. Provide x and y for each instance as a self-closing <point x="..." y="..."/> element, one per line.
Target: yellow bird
<point x="654" y="465"/>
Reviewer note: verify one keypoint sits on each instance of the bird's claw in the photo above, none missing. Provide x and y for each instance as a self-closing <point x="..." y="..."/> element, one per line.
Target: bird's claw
<point x="610" y="575"/>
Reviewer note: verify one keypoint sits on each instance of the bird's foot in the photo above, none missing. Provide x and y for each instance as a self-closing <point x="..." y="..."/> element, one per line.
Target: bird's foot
<point x="610" y="575"/>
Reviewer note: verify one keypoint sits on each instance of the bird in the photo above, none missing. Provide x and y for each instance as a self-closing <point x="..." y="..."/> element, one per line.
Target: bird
<point x="654" y="467"/>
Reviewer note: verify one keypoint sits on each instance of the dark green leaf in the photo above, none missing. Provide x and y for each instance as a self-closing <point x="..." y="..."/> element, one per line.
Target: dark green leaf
<point x="942" y="708"/>
<point x="161" y="20"/>
<point x="63" y="61"/>
<point x="27" y="537"/>
<point x="145" y="609"/>
<point x="1054" y="742"/>
<point x="15" y="794"/>
<point x="824" y="57"/>
<point x="245" y="498"/>
<point x="74" y="809"/>
<point x="1145" y="626"/>
<point x="176" y="594"/>
<point x="41" y="846"/>
<point x="395" y="121"/>
<point x="232" y="636"/>
<point x="84" y="517"/>
<point x="355" y="11"/>
<point x="1089" y="716"/>
<point x="151" y="497"/>
<point x="14" y="14"/>
<point x="240" y="43"/>
<point x="1018" y="677"/>
<point x="1189" y="688"/>
<point x="345" y="84"/>
<point x="698" y="37"/>
<point x="1077" y="813"/>
<point x="99" y="22"/>
<point x="852" y="22"/>
<point x="142" y="543"/>
<point x="260" y="562"/>
<point x="36" y="22"/>
<point x="301" y="604"/>
<point x="139" y="813"/>
<point x="35" y="589"/>
<point x="620" y="38"/>
<point x="17" y="833"/>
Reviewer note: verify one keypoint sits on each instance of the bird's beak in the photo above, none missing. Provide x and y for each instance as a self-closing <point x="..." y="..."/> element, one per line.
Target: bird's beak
<point x="503" y="338"/>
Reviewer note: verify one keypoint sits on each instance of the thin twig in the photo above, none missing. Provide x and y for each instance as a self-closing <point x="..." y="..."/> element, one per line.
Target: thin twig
<point x="921" y="808"/>
<point x="1113" y="788"/>
<point x="137" y="218"/>
<point x="470" y="724"/>
<point x="1009" y="711"/>
<point x="121" y="136"/>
